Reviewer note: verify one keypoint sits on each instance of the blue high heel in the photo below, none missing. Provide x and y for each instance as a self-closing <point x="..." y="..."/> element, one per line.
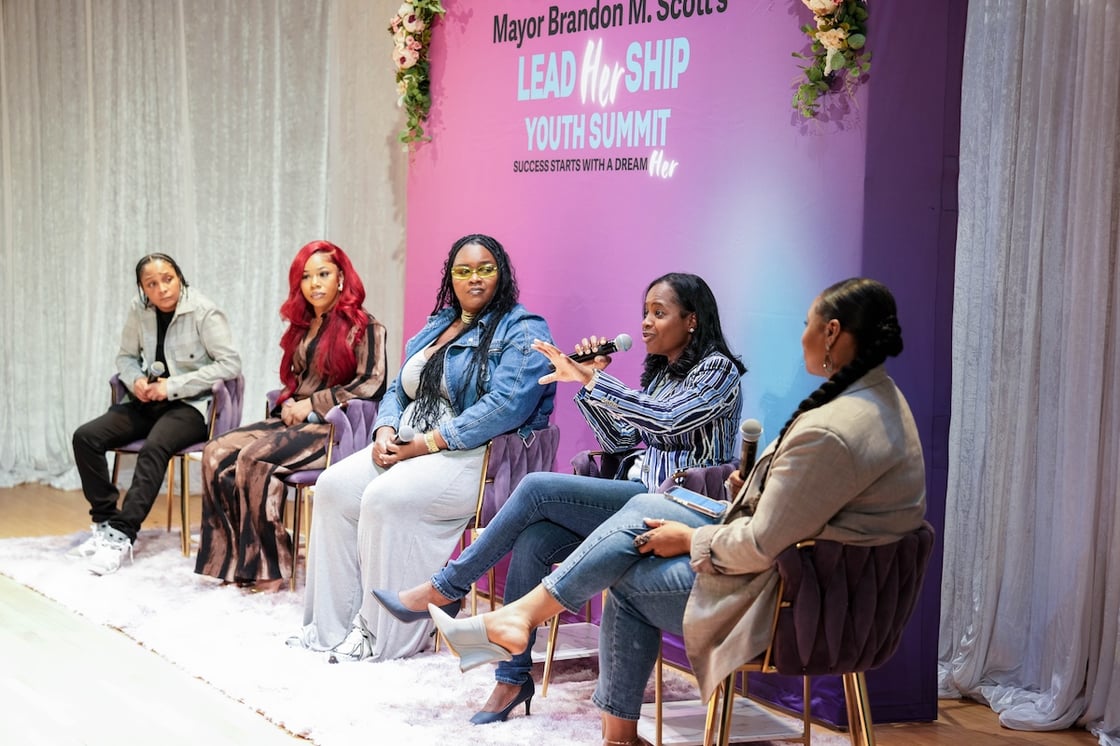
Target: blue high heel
<point x="391" y="603"/>
<point x="467" y="639"/>
<point x="528" y="689"/>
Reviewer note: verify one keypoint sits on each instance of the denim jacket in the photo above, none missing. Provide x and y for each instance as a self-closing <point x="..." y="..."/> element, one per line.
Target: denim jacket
<point x="198" y="347"/>
<point x="513" y="400"/>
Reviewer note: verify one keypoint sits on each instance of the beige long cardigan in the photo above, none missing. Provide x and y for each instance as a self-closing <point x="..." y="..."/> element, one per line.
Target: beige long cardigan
<point x="849" y="471"/>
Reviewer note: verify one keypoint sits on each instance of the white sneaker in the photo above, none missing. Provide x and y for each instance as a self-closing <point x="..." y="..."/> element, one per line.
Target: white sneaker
<point x="110" y="552"/>
<point x="357" y="646"/>
<point x="87" y="548"/>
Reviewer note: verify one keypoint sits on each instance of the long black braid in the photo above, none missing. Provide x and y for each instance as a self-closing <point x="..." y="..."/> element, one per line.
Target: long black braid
<point x="694" y="296"/>
<point x="865" y="309"/>
<point x="429" y="393"/>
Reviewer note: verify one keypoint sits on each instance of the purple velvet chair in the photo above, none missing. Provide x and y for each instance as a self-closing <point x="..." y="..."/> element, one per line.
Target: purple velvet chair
<point x="507" y="460"/>
<point x="223" y="415"/>
<point x="842" y="611"/>
<point x="351" y="430"/>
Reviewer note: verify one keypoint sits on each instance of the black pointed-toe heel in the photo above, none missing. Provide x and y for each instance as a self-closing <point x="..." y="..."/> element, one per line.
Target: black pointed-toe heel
<point x="391" y="603"/>
<point x="528" y="689"/>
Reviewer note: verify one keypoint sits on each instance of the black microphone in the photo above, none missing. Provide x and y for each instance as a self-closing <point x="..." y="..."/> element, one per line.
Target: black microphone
<point x="404" y="435"/>
<point x="751" y="430"/>
<point x="621" y="343"/>
<point x="156" y="371"/>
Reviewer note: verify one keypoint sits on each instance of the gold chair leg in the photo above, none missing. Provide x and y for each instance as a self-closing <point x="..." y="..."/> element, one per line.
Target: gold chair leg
<point x="184" y="504"/>
<point x="710" y="719"/>
<point x="170" y="490"/>
<point x="728" y="708"/>
<point x="297" y="521"/>
<point x="806" y="710"/>
<point x="860" y="728"/>
<point x="549" y="652"/>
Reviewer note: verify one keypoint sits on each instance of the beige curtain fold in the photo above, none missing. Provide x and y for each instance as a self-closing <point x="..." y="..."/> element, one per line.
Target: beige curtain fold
<point x="226" y="133"/>
<point x="1031" y="591"/>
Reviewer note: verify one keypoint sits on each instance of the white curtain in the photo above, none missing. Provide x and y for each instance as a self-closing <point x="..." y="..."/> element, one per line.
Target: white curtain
<point x="1031" y="592"/>
<point x="226" y="133"/>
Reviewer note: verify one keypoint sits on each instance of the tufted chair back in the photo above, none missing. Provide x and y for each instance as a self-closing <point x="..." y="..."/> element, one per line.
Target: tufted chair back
<point x="844" y="607"/>
<point x="509" y="458"/>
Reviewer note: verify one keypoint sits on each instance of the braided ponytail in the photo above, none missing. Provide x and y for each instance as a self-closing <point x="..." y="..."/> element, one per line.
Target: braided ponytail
<point x="866" y="309"/>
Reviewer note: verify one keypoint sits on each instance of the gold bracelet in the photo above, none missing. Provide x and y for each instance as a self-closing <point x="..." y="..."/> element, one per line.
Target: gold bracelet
<point x="430" y="440"/>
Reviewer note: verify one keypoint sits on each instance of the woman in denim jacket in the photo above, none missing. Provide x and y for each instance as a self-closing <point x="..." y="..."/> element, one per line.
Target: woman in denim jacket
<point x="391" y="514"/>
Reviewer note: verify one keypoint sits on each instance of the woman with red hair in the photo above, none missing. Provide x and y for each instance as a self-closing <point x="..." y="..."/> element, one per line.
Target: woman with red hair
<point x="334" y="350"/>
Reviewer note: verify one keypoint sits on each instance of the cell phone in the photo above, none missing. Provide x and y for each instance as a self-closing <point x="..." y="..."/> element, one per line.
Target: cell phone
<point x="697" y="502"/>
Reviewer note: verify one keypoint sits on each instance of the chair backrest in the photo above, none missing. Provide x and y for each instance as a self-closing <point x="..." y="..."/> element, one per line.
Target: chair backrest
<point x="707" y="480"/>
<point x="509" y="458"/>
<point x="604" y="464"/>
<point x="353" y="427"/>
<point x="844" y="607"/>
<point x="224" y="411"/>
<point x="226" y="403"/>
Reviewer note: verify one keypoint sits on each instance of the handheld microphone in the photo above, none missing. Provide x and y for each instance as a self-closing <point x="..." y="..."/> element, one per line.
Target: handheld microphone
<point x="621" y="343"/>
<point x="156" y="371"/>
<point x="404" y="435"/>
<point x="751" y="430"/>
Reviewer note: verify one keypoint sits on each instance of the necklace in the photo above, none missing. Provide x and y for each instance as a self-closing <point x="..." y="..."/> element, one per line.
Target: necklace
<point x="467" y="317"/>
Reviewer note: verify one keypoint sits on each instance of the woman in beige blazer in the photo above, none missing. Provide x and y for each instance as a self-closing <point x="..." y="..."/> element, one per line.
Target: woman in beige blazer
<point x="846" y="467"/>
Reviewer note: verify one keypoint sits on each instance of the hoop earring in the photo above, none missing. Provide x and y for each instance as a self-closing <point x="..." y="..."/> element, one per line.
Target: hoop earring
<point x="340" y="284"/>
<point x="827" y="364"/>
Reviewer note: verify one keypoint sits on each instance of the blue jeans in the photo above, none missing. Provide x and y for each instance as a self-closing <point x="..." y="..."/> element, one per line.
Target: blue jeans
<point x="545" y="518"/>
<point x="648" y="595"/>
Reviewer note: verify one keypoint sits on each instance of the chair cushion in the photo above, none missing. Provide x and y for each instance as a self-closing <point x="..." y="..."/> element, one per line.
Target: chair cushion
<point x="303" y="478"/>
<point x="707" y="480"/>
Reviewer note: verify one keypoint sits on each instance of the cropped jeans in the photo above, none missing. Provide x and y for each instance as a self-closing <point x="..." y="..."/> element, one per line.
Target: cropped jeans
<point x="544" y="520"/>
<point x="647" y="596"/>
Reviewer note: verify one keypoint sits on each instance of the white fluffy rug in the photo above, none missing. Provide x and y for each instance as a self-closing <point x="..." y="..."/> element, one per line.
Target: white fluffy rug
<point x="234" y="640"/>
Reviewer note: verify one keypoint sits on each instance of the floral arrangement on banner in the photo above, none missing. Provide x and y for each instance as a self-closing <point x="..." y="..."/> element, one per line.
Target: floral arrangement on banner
<point x="838" y="38"/>
<point x="411" y="28"/>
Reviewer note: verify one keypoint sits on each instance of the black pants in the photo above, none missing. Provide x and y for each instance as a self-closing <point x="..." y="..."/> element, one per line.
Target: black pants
<point x="166" y="427"/>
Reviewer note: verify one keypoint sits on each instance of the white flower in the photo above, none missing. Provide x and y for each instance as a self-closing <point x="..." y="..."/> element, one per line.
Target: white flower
<point x="405" y="11"/>
<point x="405" y="57"/>
<point x="414" y="23"/>
<point x="832" y="40"/>
<point x="822" y="7"/>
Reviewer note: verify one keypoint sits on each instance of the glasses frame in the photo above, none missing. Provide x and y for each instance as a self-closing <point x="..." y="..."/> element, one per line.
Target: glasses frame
<point x="464" y="272"/>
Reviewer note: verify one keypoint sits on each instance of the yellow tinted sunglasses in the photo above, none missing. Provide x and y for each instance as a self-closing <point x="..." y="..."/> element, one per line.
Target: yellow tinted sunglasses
<point x="484" y="271"/>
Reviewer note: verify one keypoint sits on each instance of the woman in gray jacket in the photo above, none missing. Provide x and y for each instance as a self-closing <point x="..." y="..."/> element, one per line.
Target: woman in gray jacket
<point x="846" y="467"/>
<point x="175" y="346"/>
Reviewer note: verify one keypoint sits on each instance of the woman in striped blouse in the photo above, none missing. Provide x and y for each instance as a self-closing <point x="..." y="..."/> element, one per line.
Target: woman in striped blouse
<point x="686" y="413"/>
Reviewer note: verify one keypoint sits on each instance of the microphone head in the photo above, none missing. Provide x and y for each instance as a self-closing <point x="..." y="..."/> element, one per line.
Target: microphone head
<point x="157" y="369"/>
<point x="622" y="342"/>
<point x="751" y="430"/>
<point x="406" y="434"/>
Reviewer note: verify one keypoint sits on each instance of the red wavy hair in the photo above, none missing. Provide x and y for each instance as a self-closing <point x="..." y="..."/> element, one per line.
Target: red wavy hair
<point x="334" y="357"/>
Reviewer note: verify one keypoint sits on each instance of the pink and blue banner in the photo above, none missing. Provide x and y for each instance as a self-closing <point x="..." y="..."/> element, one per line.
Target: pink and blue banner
<point x="605" y="144"/>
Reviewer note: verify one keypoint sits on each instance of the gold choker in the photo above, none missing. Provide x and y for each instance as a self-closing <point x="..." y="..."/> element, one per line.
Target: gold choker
<point x="467" y="317"/>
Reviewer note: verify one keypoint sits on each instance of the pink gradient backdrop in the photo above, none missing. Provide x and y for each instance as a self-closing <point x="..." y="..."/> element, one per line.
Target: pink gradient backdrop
<point x="765" y="206"/>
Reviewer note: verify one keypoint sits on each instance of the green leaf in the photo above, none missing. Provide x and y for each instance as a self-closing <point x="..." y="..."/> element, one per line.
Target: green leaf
<point x="856" y="41"/>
